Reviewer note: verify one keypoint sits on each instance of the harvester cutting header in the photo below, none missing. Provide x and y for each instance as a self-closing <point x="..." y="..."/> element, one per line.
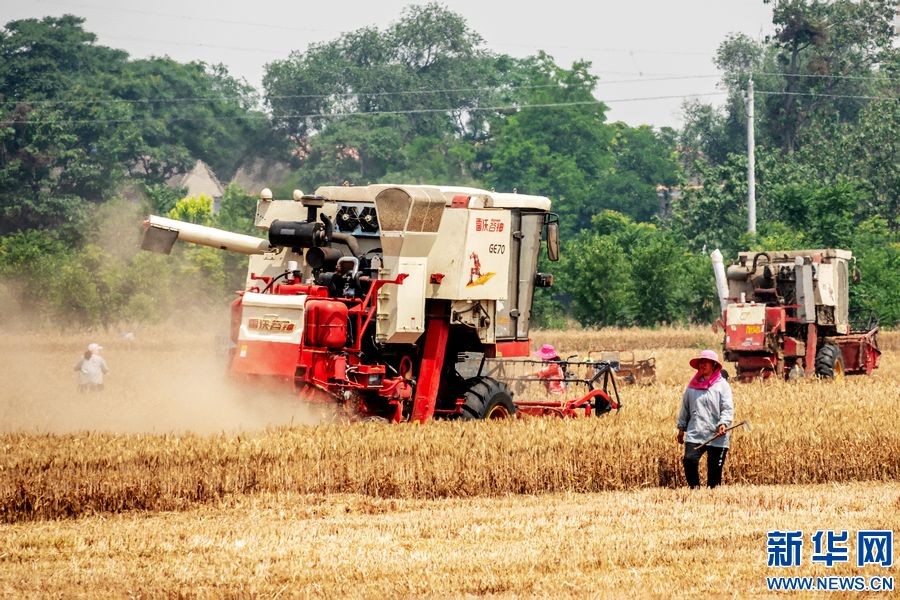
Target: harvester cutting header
<point x="366" y="296"/>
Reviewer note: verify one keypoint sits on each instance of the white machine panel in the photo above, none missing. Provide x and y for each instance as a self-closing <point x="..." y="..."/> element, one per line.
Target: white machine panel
<point x="825" y="288"/>
<point x="401" y="309"/>
<point x="745" y="314"/>
<point x="278" y="210"/>
<point x="476" y="266"/>
<point x="271" y="318"/>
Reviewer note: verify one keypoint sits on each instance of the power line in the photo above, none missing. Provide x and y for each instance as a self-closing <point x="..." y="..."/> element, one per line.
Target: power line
<point x="197" y="44"/>
<point x="848" y="96"/>
<point x="384" y="112"/>
<point x="462" y="108"/>
<point x="341" y="95"/>
<point x="281" y="52"/>
<point x="417" y="92"/>
<point x="452" y="109"/>
<point x="611" y="50"/>
<point x="824" y="76"/>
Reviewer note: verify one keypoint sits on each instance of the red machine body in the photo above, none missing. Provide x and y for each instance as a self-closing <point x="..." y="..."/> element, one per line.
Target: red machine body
<point x="303" y="339"/>
<point x="326" y="324"/>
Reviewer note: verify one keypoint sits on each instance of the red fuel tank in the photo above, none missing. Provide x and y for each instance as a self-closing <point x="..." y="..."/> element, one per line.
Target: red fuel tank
<point x="326" y="323"/>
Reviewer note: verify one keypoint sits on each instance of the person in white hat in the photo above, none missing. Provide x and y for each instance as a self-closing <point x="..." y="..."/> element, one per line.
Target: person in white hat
<point x="551" y="373"/>
<point x="91" y="369"/>
<point x="707" y="409"/>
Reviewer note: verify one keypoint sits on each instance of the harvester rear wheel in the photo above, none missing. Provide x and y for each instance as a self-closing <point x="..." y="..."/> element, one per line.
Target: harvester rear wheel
<point x="486" y="398"/>
<point x="830" y="363"/>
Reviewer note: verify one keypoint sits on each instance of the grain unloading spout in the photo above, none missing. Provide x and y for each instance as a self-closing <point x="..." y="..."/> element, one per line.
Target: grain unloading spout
<point x="721" y="280"/>
<point x="161" y="233"/>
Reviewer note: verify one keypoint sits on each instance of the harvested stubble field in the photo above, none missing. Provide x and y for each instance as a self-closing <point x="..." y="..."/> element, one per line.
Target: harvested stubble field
<point x="266" y="501"/>
<point x="654" y="542"/>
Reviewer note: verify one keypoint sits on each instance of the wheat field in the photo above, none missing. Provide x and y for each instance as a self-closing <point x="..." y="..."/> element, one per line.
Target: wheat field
<point x="172" y="482"/>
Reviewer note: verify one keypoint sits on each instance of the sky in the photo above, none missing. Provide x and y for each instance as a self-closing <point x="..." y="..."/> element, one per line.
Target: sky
<point x="649" y="54"/>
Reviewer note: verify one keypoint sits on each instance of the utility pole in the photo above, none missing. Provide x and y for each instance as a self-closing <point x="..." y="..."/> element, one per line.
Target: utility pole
<point x="751" y="163"/>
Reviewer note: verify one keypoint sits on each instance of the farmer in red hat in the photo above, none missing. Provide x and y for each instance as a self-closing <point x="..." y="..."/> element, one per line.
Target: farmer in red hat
<point x="552" y="372"/>
<point x="707" y="409"/>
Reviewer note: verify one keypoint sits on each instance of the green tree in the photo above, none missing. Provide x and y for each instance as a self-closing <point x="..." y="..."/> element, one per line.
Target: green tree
<point x="193" y="209"/>
<point x="161" y="197"/>
<point x="877" y="250"/>
<point x="419" y="81"/>
<point x="825" y="85"/>
<point x="593" y="282"/>
<point x="627" y="273"/>
<point x="826" y="215"/>
<point x="237" y="211"/>
<point x="561" y="150"/>
<point x="822" y="50"/>
<point x="186" y="112"/>
<point x="714" y="215"/>
<point x="644" y="159"/>
<point x="20" y="251"/>
<point x="76" y="118"/>
<point x="56" y="151"/>
<point x="710" y="133"/>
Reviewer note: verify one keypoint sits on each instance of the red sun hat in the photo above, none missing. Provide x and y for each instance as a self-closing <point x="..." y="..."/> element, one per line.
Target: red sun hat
<point x="706" y="355"/>
<point x="546" y="352"/>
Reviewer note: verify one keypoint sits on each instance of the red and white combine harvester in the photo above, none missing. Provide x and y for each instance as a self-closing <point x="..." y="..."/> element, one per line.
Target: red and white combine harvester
<point x="368" y="297"/>
<point x="785" y="314"/>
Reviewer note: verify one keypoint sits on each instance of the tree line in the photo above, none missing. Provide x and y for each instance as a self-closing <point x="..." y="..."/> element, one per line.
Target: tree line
<point x="89" y="137"/>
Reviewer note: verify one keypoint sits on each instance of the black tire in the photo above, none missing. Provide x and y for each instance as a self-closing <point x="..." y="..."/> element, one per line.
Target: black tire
<point x="486" y="398"/>
<point x="829" y="362"/>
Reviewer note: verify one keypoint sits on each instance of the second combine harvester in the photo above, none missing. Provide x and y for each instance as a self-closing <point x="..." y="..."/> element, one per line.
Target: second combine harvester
<point x="786" y="314"/>
<point x="367" y="296"/>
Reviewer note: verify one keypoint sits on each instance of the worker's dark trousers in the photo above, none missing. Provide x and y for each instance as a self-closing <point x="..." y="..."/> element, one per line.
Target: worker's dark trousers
<point x="714" y="462"/>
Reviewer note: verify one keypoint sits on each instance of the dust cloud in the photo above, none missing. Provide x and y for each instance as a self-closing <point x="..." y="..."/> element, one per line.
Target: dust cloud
<point x="169" y="378"/>
<point x="163" y="378"/>
<point x="159" y="382"/>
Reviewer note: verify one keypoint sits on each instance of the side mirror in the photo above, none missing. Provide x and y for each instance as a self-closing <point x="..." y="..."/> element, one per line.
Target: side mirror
<point x="553" y="240"/>
<point x="543" y="280"/>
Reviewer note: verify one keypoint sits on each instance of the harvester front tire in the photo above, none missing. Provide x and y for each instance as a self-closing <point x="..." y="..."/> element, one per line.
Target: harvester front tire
<point x="486" y="398"/>
<point x="830" y="363"/>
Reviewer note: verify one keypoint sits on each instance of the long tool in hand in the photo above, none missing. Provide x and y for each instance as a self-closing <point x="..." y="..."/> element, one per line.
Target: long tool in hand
<point x="745" y="424"/>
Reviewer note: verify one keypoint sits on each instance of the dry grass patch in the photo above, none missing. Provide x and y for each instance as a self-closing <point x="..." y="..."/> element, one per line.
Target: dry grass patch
<point x="653" y="542"/>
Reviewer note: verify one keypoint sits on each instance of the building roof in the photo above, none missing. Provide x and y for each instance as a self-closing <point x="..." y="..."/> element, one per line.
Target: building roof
<point x="199" y="180"/>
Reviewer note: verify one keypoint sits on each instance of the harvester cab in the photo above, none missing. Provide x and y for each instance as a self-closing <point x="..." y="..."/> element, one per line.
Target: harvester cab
<point x="786" y="314"/>
<point x="363" y="296"/>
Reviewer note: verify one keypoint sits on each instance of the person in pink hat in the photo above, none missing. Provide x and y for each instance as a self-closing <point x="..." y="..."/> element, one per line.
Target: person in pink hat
<point x="552" y="372"/>
<point x="707" y="409"/>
